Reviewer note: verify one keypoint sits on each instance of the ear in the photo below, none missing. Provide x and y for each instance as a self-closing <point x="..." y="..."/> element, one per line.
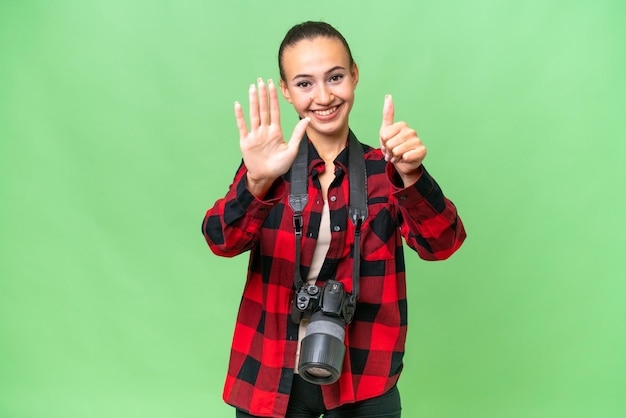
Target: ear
<point x="285" y="91"/>
<point x="354" y="72"/>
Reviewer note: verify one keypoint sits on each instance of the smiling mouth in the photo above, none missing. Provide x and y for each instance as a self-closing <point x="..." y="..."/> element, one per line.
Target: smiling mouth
<point x="326" y="112"/>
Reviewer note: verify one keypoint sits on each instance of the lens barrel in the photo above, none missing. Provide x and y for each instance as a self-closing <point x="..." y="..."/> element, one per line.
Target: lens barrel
<point x="323" y="349"/>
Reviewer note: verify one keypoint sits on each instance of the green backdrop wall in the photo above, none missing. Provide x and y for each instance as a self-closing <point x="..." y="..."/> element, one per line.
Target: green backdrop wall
<point x="117" y="133"/>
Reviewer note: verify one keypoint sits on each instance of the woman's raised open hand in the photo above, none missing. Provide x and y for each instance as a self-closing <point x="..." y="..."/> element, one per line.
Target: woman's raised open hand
<point x="265" y="153"/>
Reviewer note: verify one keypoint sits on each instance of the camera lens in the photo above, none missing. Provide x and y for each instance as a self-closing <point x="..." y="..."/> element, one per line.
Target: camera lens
<point x="322" y="351"/>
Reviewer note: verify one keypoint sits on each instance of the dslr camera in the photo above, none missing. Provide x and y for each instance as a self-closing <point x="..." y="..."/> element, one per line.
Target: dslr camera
<point x="330" y="308"/>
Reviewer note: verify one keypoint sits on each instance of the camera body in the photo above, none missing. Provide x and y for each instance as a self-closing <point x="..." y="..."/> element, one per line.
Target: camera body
<point x="331" y="309"/>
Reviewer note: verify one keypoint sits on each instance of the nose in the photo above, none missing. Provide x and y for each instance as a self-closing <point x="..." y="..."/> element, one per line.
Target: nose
<point x="324" y="96"/>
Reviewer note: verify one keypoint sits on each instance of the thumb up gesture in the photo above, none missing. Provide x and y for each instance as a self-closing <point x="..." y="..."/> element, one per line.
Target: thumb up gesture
<point x="400" y="145"/>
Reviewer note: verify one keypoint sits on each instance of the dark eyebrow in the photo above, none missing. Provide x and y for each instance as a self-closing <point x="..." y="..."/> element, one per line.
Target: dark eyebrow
<point x="338" y="67"/>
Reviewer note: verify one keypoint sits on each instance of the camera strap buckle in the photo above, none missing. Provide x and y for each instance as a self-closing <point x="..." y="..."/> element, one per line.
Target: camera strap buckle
<point x="297" y="223"/>
<point x="349" y="308"/>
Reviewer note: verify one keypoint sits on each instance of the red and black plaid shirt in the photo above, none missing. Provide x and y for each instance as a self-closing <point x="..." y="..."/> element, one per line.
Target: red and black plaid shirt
<point x="264" y="343"/>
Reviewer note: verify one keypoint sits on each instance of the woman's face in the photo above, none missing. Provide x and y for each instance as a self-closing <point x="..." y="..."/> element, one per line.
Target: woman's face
<point x="319" y="83"/>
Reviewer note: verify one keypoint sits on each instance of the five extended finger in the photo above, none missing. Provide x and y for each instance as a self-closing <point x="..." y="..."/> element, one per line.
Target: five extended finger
<point x="274" y="107"/>
<point x="241" y="121"/>
<point x="298" y="134"/>
<point x="264" y="117"/>
<point x="254" y="107"/>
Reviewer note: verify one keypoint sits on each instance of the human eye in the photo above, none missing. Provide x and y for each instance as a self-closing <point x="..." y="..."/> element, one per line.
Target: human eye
<point x="303" y="84"/>
<point x="335" y="78"/>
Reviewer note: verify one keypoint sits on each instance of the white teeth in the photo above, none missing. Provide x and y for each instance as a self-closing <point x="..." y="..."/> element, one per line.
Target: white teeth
<point x="326" y="112"/>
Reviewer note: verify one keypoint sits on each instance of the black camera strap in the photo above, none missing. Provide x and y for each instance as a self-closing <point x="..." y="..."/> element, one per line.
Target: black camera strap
<point x="357" y="207"/>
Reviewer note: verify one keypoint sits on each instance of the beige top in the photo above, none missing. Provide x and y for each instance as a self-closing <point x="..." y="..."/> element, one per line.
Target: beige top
<point x="319" y="255"/>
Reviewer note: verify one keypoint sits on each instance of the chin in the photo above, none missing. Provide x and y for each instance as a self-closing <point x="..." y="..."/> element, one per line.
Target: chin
<point x="330" y="131"/>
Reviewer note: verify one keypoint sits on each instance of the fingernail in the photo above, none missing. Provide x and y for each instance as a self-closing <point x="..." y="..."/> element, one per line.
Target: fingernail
<point x="269" y="81"/>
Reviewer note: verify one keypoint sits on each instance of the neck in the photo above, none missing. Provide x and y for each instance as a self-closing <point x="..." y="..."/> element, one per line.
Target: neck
<point x="329" y="147"/>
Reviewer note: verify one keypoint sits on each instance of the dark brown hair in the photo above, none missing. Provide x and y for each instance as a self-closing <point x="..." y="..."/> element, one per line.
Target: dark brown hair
<point x="310" y="30"/>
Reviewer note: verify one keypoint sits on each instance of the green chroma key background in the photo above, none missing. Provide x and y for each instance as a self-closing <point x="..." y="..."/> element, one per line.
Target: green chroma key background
<point x="117" y="133"/>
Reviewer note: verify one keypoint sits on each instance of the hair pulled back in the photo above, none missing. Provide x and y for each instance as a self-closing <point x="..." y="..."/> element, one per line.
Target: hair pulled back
<point x="309" y="30"/>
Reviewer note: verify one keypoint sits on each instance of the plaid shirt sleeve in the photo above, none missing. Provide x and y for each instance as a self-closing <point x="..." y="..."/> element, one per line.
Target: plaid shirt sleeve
<point x="232" y="225"/>
<point x="430" y="223"/>
<point x="262" y="358"/>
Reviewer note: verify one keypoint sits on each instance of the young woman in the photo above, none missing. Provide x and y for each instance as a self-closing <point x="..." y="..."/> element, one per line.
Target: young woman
<point x="318" y="76"/>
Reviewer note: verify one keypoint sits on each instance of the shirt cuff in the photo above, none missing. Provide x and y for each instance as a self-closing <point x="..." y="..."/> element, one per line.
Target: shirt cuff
<point x="247" y="204"/>
<point x="260" y="207"/>
<point x="413" y="194"/>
